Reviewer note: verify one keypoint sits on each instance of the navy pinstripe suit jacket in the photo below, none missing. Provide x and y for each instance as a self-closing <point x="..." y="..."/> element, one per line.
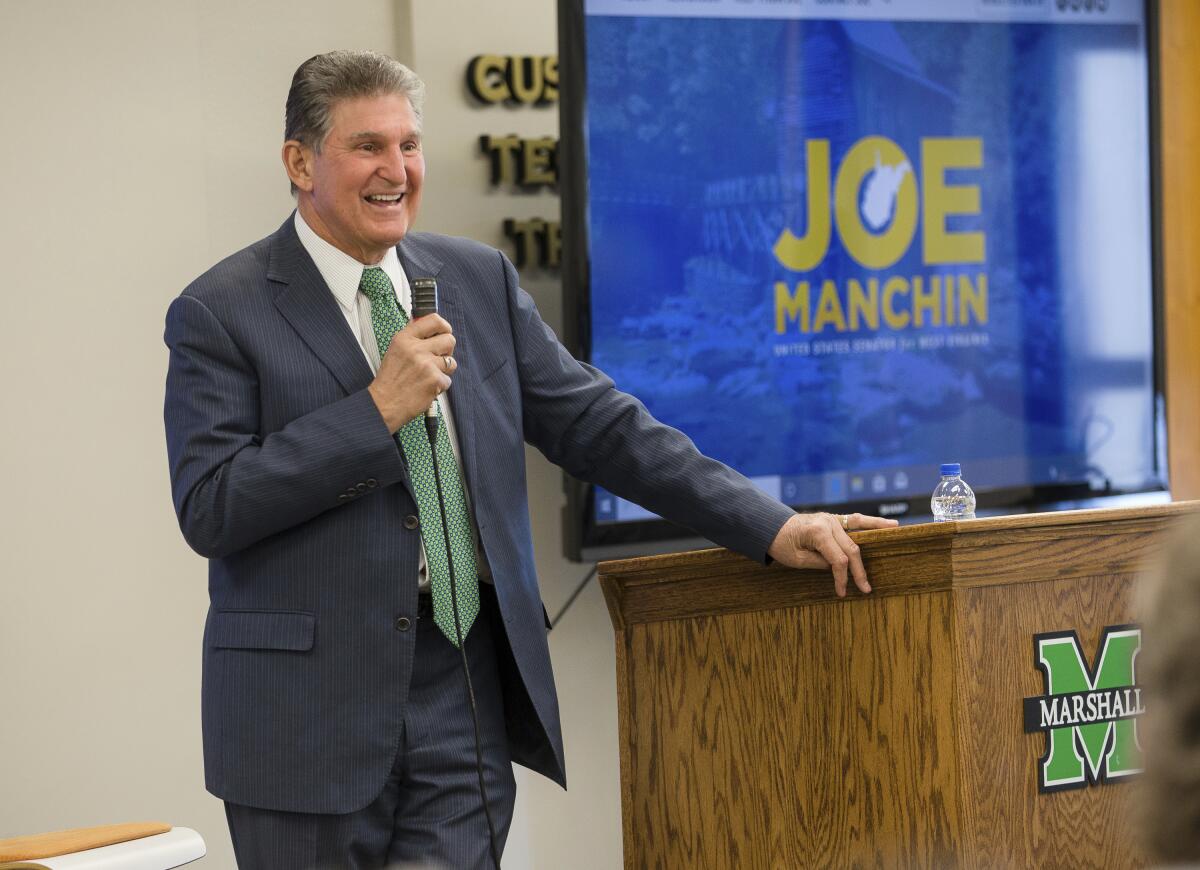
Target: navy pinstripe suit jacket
<point x="285" y="476"/>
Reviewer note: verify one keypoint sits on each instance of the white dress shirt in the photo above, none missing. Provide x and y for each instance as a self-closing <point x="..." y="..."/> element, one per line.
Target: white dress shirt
<point x="343" y="273"/>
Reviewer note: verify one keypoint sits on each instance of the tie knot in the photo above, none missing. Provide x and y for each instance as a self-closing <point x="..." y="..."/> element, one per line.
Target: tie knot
<point x="376" y="285"/>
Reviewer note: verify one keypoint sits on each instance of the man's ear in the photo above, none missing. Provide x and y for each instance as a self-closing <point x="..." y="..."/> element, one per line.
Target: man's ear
<point x="298" y="161"/>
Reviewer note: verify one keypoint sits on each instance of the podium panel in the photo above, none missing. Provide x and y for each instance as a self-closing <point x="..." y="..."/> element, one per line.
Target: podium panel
<point x="766" y="723"/>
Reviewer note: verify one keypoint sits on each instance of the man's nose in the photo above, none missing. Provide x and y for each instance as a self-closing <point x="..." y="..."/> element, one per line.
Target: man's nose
<point x="394" y="168"/>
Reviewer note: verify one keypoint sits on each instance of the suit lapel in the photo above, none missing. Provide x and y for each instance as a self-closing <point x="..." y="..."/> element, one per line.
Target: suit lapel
<point x="310" y="308"/>
<point x="419" y="262"/>
<point x="308" y="304"/>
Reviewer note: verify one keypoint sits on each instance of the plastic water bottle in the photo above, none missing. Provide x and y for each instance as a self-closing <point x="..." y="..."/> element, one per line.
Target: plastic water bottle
<point x="953" y="499"/>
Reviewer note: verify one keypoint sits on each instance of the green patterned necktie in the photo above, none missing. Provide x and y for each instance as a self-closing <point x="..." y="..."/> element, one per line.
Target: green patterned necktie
<point x="387" y="319"/>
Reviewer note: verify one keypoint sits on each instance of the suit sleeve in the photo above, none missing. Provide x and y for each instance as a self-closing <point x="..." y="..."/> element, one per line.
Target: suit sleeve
<point x="232" y="485"/>
<point x="574" y="414"/>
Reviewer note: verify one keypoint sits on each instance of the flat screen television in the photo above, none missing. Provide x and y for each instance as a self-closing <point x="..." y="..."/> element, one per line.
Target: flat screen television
<point x="839" y="243"/>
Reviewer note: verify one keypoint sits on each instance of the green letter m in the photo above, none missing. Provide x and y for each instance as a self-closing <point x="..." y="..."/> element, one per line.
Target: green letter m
<point x="1097" y="752"/>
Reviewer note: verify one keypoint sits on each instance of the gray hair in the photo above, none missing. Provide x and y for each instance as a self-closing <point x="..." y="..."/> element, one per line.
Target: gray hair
<point x="322" y="80"/>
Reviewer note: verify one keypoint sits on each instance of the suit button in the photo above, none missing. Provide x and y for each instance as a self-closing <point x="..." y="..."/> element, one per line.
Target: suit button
<point x="372" y="483"/>
<point x="411" y="521"/>
<point x="403" y="623"/>
<point x="362" y="487"/>
<point x="343" y="497"/>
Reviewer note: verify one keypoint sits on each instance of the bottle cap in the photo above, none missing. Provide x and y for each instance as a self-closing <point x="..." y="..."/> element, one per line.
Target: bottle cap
<point x="949" y="468"/>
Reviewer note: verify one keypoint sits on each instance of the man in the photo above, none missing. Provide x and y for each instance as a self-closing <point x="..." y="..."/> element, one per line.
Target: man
<point x="336" y="725"/>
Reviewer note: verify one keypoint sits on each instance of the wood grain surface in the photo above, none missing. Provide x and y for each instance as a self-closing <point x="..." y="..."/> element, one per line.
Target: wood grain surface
<point x="905" y="560"/>
<point x="791" y="739"/>
<point x="55" y="843"/>
<point x="765" y="723"/>
<point x="1179" y="139"/>
<point x="1006" y="822"/>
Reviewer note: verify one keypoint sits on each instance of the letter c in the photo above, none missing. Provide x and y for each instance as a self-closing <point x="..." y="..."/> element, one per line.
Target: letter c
<point x="486" y="78"/>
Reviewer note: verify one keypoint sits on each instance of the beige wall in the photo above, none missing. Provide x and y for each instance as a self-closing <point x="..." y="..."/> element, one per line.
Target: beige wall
<point x="140" y="145"/>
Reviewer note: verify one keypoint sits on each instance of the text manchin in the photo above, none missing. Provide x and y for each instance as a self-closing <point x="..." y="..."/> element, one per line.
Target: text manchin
<point x="899" y="303"/>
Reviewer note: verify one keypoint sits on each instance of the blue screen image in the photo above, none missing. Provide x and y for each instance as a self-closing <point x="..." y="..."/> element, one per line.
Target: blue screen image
<point x="838" y="253"/>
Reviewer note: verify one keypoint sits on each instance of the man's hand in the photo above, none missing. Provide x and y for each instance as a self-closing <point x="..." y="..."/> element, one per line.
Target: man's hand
<point x="415" y="369"/>
<point x="820" y="541"/>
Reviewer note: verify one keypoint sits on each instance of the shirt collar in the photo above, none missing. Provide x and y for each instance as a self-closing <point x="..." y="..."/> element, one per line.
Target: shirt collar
<point x="342" y="272"/>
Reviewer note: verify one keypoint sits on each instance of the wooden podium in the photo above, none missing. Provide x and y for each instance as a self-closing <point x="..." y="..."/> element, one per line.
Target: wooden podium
<point x="765" y="723"/>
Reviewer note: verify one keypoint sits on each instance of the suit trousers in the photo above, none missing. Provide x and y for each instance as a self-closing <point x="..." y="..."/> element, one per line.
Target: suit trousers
<point x="429" y="813"/>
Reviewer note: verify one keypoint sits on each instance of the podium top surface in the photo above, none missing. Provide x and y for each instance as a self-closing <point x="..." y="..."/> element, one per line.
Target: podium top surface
<point x="906" y="560"/>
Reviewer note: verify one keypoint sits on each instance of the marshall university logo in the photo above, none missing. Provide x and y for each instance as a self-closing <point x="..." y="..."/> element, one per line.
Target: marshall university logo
<point x="1088" y="710"/>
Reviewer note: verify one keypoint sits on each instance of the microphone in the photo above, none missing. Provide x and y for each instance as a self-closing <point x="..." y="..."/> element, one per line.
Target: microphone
<point x="425" y="301"/>
<point x="424" y="297"/>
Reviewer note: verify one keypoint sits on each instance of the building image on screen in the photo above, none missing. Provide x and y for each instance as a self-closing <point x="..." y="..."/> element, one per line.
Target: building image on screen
<point x="837" y="250"/>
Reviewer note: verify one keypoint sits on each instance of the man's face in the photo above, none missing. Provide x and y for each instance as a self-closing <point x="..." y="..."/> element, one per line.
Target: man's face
<point x="361" y="192"/>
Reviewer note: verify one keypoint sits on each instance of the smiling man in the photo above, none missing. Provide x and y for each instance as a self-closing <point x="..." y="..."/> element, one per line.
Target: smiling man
<point x="370" y="167"/>
<point x="337" y="726"/>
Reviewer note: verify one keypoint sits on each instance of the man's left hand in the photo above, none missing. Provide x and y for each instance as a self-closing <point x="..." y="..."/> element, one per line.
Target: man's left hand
<point x="820" y="541"/>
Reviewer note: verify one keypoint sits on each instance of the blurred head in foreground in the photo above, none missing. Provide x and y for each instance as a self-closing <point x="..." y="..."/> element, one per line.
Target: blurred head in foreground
<point x="1170" y="673"/>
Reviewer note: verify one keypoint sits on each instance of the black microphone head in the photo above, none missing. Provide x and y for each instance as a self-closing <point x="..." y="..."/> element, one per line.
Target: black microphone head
<point x="424" y="297"/>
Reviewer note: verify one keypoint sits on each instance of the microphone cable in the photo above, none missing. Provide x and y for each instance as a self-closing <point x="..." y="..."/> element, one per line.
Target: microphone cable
<point x="431" y="427"/>
<point x="424" y="301"/>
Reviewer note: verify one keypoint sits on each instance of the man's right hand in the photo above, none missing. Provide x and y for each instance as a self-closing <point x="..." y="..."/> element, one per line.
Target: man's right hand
<point x="414" y="370"/>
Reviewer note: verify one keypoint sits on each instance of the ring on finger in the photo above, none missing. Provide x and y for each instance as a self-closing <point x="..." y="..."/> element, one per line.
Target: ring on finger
<point x="844" y="519"/>
<point x="448" y="362"/>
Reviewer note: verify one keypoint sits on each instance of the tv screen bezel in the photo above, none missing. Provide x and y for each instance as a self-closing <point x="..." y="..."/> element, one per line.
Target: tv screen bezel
<point x="584" y="539"/>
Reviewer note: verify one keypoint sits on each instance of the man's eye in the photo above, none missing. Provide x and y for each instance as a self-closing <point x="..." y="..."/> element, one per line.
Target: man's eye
<point x="411" y="147"/>
<point x="367" y="146"/>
